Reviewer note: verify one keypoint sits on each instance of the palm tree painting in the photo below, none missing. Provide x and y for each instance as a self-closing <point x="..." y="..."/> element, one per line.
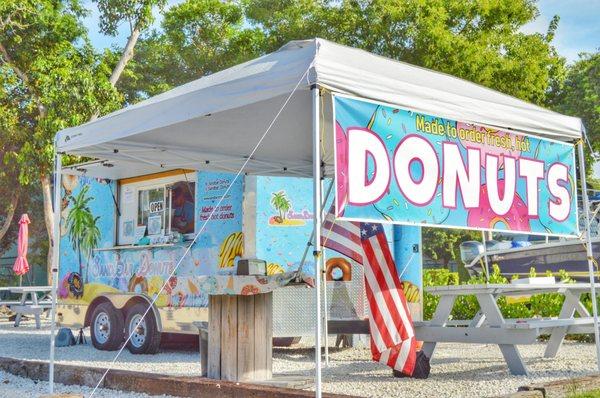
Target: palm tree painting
<point x="82" y="227"/>
<point x="282" y="204"/>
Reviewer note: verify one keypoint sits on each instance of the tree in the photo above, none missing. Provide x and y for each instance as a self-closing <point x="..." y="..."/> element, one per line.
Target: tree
<point x="580" y="96"/>
<point x="281" y="203"/>
<point x="51" y="79"/>
<point x="54" y="79"/>
<point x="138" y="15"/>
<point x="197" y="38"/>
<point x="442" y="244"/>
<point x="82" y="226"/>
<point x="479" y="41"/>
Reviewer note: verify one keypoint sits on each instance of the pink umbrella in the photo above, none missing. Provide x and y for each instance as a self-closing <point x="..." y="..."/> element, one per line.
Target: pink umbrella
<point x="21" y="265"/>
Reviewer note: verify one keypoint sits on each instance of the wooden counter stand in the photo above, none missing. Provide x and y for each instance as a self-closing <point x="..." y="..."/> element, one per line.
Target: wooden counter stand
<point x="240" y="337"/>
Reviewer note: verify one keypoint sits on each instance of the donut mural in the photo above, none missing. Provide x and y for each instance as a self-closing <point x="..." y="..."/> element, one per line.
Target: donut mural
<point x="398" y="166"/>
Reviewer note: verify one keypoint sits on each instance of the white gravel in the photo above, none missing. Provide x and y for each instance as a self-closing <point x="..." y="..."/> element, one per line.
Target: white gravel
<point x="458" y="370"/>
<point x="14" y="386"/>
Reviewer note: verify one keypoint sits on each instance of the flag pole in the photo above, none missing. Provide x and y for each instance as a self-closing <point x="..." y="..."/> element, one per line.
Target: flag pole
<point x="588" y="246"/>
<point x="317" y="230"/>
<point x="55" y="253"/>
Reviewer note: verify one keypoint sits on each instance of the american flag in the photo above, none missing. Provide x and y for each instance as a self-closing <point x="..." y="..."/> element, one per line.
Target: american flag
<point x="343" y="237"/>
<point x="393" y="340"/>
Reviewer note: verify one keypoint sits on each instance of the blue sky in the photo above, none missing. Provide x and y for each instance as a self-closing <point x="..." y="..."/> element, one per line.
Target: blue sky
<point x="578" y="30"/>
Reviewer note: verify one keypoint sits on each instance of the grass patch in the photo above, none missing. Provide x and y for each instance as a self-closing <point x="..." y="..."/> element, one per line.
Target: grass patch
<point x="588" y="394"/>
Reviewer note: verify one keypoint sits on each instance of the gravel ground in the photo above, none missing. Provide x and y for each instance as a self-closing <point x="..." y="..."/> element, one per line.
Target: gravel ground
<point x="14" y="386"/>
<point x="458" y="370"/>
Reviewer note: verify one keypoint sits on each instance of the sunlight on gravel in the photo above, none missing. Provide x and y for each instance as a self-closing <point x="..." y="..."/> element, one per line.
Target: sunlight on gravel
<point x="458" y="370"/>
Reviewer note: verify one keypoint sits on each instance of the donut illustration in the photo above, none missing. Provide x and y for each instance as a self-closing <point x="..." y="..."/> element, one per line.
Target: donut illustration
<point x="250" y="290"/>
<point x="137" y="284"/>
<point x="516" y="219"/>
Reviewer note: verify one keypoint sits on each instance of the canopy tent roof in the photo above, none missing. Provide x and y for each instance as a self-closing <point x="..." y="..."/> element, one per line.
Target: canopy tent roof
<point x="214" y="122"/>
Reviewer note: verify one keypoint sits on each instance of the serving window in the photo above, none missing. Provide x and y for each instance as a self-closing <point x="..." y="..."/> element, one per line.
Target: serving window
<point x="160" y="207"/>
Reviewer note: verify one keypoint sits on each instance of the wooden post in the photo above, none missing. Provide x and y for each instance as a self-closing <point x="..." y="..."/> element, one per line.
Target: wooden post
<point x="240" y="337"/>
<point x="214" y="337"/>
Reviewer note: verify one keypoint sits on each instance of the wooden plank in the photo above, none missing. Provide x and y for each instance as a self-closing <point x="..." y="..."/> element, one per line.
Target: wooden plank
<point x="508" y="289"/>
<point x="245" y="343"/>
<point x="268" y="329"/>
<point x="147" y="177"/>
<point x="260" y="348"/>
<point x="214" y="337"/>
<point x="348" y="326"/>
<point x="229" y="334"/>
<point x="483" y="335"/>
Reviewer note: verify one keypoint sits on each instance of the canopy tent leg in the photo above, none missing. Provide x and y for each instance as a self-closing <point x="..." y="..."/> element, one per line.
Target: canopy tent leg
<point x="588" y="246"/>
<point x="487" y="265"/>
<point x="317" y="231"/>
<point x="322" y="265"/>
<point x="312" y="234"/>
<point x="55" y="254"/>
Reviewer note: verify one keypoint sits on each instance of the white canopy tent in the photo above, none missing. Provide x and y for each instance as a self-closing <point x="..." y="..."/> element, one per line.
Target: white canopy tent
<point x="220" y="117"/>
<point x="214" y="122"/>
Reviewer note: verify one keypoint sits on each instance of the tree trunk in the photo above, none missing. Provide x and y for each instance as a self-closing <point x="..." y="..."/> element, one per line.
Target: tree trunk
<point x="49" y="220"/>
<point x="123" y="61"/>
<point x="10" y="213"/>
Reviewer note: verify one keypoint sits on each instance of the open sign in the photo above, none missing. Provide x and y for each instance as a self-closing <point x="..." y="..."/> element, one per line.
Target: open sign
<point x="156" y="207"/>
<point x="398" y="166"/>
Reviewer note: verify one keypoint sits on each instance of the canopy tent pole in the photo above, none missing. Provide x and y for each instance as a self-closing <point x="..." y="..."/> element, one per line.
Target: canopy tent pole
<point x="317" y="231"/>
<point x="322" y="266"/>
<point x="312" y="234"/>
<point x="55" y="254"/>
<point x="487" y="265"/>
<point x="588" y="246"/>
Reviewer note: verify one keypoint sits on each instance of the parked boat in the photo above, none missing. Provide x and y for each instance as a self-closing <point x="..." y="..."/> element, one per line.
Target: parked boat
<point x="568" y="255"/>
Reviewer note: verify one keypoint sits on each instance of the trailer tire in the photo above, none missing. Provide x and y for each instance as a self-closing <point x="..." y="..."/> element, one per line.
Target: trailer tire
<point x="145" y="338"/>
<point x="106" y="327"/>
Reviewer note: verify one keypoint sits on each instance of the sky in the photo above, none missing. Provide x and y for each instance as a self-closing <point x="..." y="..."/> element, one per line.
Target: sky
<point x="578" y="29"/>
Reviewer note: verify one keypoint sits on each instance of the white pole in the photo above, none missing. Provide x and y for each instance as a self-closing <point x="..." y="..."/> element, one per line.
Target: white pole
<point x="325" y="304"/>
<point x="317" y="236"/>
<point x="55" y="254"/>
<point x="487" y="265"/>
<point x="588" y="246"/>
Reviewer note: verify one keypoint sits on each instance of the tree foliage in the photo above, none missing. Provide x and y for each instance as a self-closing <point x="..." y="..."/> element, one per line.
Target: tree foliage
<point x="137" y="13"/>
<point x="478" y="41"/>
<point x="52" y="78"/>
<point x="442" y="244"/>
<point x="580" y="96"/>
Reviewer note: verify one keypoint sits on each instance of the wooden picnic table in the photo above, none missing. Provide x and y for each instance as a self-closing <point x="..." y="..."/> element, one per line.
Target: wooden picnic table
<point x="489" y="326"/>
<point x="29" y="304"/>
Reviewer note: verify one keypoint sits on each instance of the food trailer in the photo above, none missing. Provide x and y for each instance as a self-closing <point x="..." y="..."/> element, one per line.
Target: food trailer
<point x="140" y="227"/>
<point x="321" y="110"/>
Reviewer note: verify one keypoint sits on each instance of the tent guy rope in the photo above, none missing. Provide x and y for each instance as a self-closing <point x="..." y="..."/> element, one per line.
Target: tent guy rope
<point x="188" y="249"/>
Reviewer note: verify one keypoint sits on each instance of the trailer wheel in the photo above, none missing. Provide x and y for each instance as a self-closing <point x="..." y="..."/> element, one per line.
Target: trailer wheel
<point x="107" y="327"/>
<point x="145" y="337"/>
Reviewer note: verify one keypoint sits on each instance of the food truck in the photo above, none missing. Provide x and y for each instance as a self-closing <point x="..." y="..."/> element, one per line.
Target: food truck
<point x="121" y="240"/>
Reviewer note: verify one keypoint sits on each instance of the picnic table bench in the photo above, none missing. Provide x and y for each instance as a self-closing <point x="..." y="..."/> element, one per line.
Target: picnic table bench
<point x="29" y="304"/>
<point x="489" y="326"/>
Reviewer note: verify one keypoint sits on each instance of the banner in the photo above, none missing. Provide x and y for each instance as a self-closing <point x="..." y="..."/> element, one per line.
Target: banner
<point x="396" y="166"/>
